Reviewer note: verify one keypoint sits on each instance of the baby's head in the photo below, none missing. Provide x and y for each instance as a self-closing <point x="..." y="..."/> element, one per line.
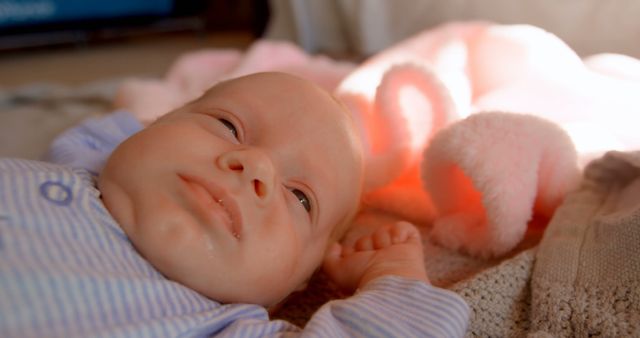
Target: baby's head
<point x="237" y="194"/>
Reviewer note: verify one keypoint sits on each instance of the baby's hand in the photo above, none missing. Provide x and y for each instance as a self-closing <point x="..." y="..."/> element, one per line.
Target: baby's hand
<point x="394" y="249"/>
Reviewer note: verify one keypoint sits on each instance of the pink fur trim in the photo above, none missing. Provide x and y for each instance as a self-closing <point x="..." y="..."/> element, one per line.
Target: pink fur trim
<point x="487" y="172"/>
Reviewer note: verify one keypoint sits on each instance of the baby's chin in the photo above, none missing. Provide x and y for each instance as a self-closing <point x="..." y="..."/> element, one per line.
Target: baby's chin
<point x="221" y="287"/>
<point x="228" y="293"/>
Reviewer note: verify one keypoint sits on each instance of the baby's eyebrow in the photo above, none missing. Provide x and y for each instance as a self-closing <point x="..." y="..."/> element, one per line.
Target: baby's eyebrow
<point x="315" y="172"/>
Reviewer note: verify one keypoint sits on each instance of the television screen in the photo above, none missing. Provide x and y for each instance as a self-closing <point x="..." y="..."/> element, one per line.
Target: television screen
<point x="40" y="23"/>
<point x="14" y="13"/>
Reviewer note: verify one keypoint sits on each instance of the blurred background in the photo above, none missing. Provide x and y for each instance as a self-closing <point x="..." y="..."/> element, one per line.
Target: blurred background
<point x="76" y="41"/>
<point x="62" y="60"/>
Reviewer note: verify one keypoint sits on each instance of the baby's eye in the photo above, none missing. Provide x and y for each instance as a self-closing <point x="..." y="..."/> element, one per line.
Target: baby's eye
<point x="229" y="126"/>
<point x="302" y="197"/>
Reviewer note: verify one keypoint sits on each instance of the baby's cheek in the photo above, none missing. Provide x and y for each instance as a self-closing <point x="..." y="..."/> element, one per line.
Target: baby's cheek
<point x="274" y="277"/>
<point x="289" y="251"/>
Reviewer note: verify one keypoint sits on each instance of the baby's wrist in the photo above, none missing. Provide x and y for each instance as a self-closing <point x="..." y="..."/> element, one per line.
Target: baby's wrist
<point x="405" y="272"/>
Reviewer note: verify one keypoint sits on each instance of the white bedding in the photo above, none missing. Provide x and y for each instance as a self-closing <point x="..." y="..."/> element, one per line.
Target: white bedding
<point x="363" y="27"/>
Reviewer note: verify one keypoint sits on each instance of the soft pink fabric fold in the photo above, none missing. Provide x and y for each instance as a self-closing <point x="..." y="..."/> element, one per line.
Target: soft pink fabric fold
<point x="490" y="173"/>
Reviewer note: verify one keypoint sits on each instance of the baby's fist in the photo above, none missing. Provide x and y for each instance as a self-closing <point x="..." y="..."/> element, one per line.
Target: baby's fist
<point x="393" y="249"/>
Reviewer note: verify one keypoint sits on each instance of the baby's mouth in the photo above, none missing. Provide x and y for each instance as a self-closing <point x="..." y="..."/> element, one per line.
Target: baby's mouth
<point x="214" y="198"/>
<point x="219" y="203"/>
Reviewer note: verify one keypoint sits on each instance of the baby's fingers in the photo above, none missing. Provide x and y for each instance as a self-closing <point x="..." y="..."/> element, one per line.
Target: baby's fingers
<point x="345" y="268"/>
<point x="333" y="253"/>
<point x="404" y="232"/>
<point x="382" y="238"/>
<point x="398" y="233"/>
<point x="364" y="243"/>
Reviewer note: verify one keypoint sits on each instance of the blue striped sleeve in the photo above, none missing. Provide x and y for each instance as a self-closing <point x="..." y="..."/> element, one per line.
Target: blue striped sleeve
<point x="89" y="144"/>
<point x="387" y="307"/>
<point x="393" y="307"/>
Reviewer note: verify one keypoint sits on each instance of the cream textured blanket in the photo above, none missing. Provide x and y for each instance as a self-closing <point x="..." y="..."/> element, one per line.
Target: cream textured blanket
<point x="583" y="279"/>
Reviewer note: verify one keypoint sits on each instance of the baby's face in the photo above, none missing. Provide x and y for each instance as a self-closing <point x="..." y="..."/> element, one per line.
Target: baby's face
<point x="236" y="194"/>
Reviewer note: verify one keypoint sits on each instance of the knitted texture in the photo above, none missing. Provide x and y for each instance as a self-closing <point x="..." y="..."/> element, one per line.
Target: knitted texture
<point x="586" y="279"/>
<point x="583" y="279"/>
<point x="500" y="298"/>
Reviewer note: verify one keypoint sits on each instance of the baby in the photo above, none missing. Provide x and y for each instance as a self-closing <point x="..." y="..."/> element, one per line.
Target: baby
<point x="198" y="223"/>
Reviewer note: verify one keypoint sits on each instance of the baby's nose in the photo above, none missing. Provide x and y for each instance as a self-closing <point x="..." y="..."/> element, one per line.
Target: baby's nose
<point x="254" y="167"/>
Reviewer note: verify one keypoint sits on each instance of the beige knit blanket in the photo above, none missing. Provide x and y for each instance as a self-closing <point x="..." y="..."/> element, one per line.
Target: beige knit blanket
<point x="583" y="279"/>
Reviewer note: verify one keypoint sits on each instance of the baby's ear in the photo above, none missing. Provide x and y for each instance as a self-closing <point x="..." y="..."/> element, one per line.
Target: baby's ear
<point x="410" y="105"/>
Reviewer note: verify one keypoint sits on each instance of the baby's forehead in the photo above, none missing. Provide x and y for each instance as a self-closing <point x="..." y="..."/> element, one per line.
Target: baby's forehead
<point x="281" y="95"/>
<point x="265" y="81"/>
<point x="289" y="109"/>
